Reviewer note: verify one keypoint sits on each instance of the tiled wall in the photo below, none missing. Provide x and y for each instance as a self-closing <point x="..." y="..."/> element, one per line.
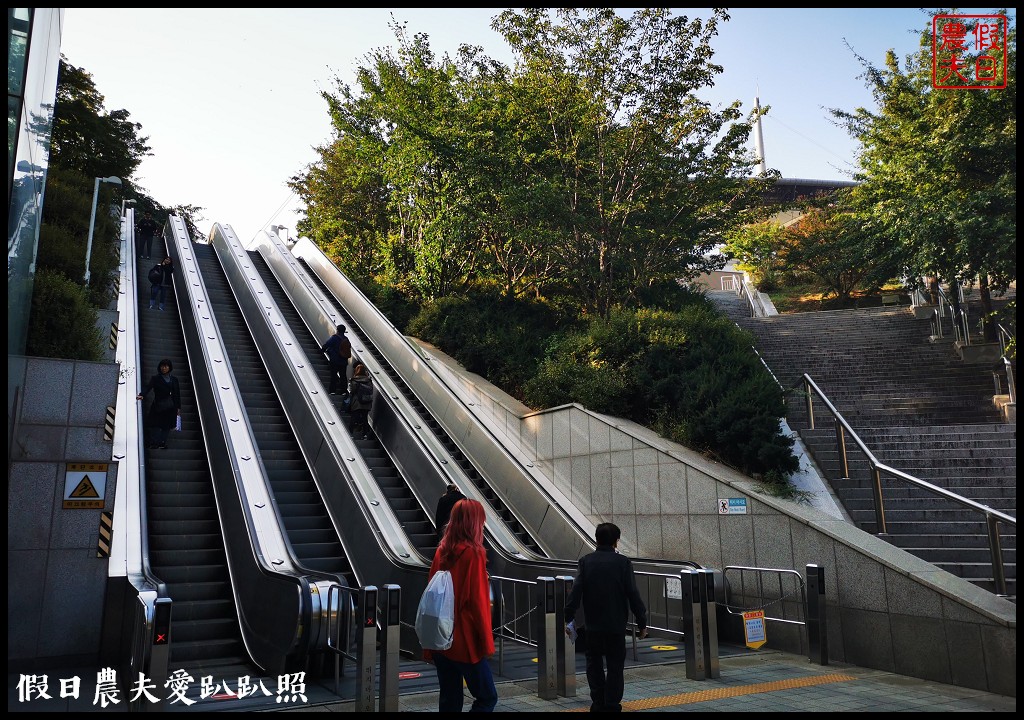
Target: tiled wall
<point x="55" y="581"/>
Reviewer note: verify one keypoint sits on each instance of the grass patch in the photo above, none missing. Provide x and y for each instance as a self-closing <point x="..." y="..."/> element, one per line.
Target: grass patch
<point x="812" y="298"/>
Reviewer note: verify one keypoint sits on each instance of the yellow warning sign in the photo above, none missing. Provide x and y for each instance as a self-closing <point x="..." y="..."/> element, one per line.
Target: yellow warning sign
<point x="753" y="628"/>
<point x="85" y="485"/>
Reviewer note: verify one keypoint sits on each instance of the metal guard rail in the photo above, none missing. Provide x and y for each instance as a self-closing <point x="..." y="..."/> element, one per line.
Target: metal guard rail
<point x="1005" y="340"/>
<point x="958" y="316"/>
<point x="992" y="517"/>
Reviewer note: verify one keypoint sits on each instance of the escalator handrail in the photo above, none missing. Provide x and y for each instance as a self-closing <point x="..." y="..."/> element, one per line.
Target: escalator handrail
<point x="129" y="541"/>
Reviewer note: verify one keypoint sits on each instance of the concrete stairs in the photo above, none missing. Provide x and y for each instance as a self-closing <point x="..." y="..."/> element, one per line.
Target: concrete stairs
<point x="919" y="409"/>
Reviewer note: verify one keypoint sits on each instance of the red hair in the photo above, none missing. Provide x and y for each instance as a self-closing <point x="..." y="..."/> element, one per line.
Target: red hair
<point x="466" y="525"/>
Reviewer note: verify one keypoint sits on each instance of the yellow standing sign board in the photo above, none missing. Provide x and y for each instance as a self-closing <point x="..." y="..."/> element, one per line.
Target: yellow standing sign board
<point x="753" y="628"/>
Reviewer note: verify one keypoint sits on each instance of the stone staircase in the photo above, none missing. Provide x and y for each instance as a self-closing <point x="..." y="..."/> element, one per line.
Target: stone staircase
<point x="918" y="408"/>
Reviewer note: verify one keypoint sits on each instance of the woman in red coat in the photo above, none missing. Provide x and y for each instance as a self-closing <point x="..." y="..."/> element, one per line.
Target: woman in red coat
<point x="462" y="552"/>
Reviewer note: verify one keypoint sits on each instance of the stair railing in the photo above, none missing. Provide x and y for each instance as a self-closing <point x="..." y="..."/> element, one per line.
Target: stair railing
<point x="992" y="516"/>
<point x="757" y="308"/>
<point x="1005" y="340"/>
<point x="958" y="317"/>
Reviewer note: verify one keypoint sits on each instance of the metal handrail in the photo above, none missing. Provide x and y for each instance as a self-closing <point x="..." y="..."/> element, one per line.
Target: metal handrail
<point x="1005" y="338"/>
<point x="961" y="326"/>
<point x="992" y="516"/>
<point x="743" y="291"/>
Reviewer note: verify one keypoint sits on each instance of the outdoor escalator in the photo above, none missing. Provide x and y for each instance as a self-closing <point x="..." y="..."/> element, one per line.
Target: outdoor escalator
<point x="186" y="548"/>
<point x="499" y="507"/>
<point x="418" y="526"/>
<point x="308" y="526"/>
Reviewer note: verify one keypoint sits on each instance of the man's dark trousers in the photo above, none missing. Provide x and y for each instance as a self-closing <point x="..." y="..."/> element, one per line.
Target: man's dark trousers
<point x="606" y="687"/>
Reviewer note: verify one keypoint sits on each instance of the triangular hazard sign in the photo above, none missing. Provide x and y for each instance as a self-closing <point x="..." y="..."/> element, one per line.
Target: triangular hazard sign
<point x="85" y="489"/>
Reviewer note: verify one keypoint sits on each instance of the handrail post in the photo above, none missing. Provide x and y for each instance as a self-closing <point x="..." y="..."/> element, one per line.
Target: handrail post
<point x="844" y="465"/>
<point x="810" y="403"/>
<point x="876" y="491"/>
<point x="565" y="653"/>
<point x="160" y="651"/>
<point x="817" y="616"/>
<point x="544" y="619"/>
<point x="709" y="617"/>
<point x="1011" y="386"/>
<point x="366" y="644"/>
<point x="389" y="647"/>
<point x="994" y="544"/>
<point x="500" y="599"/>
<point x="693" y="627"/>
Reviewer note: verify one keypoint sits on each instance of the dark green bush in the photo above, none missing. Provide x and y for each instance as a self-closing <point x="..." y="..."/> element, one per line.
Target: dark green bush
<point x="689" y="375"/>
<point x="396" y="307"/>
<point x="500" y="338"/>
<point x="63" y="322"/>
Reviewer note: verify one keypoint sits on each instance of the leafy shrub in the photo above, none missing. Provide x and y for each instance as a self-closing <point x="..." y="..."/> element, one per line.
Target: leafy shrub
<point x="396" y="307"/>
<point x="63" y="323"/>
<point x="689" y="375"/>
<point x="500" y="338"/>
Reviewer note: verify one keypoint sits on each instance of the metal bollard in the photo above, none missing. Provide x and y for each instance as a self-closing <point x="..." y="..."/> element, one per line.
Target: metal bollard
<point x="817" y="616"/>
<point x="709" y="616"/>
<point x="389" y="660"/>
<point x="366" y="646"/>
<point x="565" y="652"/>
<point x="546" y="631"/>
<point x="693" y="624"/>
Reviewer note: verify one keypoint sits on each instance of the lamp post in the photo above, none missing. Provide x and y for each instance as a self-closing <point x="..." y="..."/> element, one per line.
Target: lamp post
<point x="125" y="202"/>
<point x="275" y="228"/>
<point x="92" y="219"/>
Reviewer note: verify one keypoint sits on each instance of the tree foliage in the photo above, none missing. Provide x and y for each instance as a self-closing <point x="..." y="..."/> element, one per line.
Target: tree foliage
<point x="86" y="142"/>
<point x="938" y="167"/>
<point x="644" y="168"/>
<point x="85" y="136"/>
<point x="590" y="170"/>
<point x="588" y="177"/>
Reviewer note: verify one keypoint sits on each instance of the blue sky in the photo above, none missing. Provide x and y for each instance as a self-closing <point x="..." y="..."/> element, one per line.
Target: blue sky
<point x="230" y="99"/>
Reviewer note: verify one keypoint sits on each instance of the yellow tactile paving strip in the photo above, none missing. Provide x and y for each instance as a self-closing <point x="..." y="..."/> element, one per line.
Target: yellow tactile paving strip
<point x="728" y="692"/>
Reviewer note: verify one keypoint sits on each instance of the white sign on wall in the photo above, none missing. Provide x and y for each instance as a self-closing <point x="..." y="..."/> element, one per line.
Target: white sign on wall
<point x="732" y="506"/>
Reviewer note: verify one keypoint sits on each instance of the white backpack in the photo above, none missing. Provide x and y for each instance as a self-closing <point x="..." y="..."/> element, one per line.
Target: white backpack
<point x="435" y="616"/>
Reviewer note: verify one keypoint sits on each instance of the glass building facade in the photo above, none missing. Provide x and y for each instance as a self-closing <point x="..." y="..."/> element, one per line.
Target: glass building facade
<point x="33" y="58"/>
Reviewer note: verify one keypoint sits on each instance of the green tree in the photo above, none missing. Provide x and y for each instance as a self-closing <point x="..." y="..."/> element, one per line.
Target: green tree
<point x="832" y="244"/>
<point x="649" y="175"/>
<point x="86" y="137"/>
<point x="758" y="248"/>
<point x="939" y="167"/>
<point x="87" y="142"/>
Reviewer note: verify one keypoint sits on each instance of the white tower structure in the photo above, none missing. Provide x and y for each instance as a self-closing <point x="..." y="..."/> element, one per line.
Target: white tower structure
<point x="761" y="168"/>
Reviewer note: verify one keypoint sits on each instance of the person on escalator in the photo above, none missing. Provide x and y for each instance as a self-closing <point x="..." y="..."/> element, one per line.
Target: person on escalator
<point x="338" y="349"/>
<point x="166" y="408"/>
<point x="160" y="278"/>
<point x="145" y="230"/>
<point x="444" y="507"/>
<point x="360" y="390"/>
